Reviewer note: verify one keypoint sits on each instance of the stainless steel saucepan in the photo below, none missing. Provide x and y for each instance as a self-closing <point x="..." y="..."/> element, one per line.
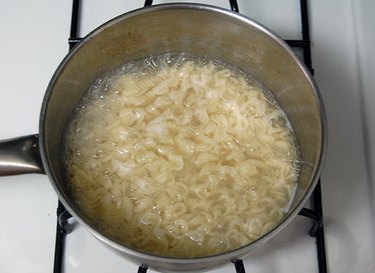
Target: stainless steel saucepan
<point x="201" y="30"/>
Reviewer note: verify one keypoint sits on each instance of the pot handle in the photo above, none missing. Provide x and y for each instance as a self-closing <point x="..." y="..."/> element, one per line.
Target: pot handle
<point x="20" y="155"/>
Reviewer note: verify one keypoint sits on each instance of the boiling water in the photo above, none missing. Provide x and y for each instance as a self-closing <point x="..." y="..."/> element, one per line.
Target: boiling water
<point x="180" y="156"/>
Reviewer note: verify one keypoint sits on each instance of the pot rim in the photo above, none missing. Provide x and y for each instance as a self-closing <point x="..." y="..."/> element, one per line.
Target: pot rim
<point x="225" y="256"/>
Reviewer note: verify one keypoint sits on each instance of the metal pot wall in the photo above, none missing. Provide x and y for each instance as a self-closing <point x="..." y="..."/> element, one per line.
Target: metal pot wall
<point x="200" y="30"/>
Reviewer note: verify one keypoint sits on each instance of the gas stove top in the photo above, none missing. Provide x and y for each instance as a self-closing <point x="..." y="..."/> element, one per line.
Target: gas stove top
<point x="35" y="40"/>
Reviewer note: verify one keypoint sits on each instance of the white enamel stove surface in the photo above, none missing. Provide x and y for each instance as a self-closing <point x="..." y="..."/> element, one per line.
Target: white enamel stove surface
<point x="33" y="42"/>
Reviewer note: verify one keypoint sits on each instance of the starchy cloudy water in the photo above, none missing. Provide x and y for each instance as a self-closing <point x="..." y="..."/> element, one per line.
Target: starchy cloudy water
<point x="180" y="156"/>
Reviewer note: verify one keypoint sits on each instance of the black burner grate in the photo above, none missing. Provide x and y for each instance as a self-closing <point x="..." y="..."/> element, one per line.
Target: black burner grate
<point x="315" y="214"/>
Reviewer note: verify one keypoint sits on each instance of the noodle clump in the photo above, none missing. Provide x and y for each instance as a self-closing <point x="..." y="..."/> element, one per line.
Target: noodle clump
<point x="180" y="157"/>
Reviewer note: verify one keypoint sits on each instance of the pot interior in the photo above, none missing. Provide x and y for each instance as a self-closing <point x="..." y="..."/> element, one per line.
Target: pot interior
<point x="208" y="32"/>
